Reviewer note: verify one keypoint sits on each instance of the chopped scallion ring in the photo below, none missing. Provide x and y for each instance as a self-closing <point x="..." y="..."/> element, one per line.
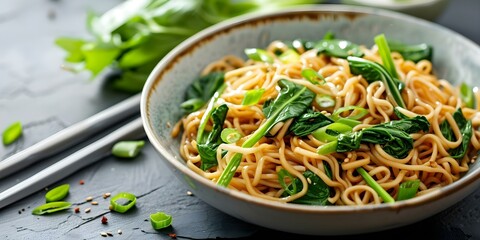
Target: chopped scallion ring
<point x="408" y="189"/>
<point x="253" y="96"/>
<point x="360" y="112"/>
<point x="122" y="202"/>
<point x="258" y="54"/>
<point x="51" y="207"/>
<point x="329" y="132"/>
<point x="230" y="135"/>
<point x="127" y="149"/>
<point x="12" y="133"/>
<point x="324" y="101"/>
<point x="57" y="193"/>
<point x="313" y="76"/>
<point x="160" y="220"/>
<point x="282" y="174"/>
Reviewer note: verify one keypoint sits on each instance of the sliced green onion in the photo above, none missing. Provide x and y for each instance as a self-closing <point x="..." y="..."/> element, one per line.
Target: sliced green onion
<point x="253" y="96"/>
<point x="192" y="105"/>
<point x="408" y="189"/>
<point x="160" y="220"/>
<point x="327" y="148"/>
<point x="373" y="184"/>
<point x="466" y="94"/>
<point x="361" y="112"/>
<point x="57" y="193"/>
<point x="313" y="76"/>
<point x="289" y="56"/>
<point x="282" y="174"/>
<point x="12" y="133"/>
<point x="350" y="122"/>
<point x="122" y="202"/>
<point x="230" y="135"/>
<point x="329" y="132"/>
<point x="324" y="101"/>
<point x="127" y="149"/>
<point x="257" y="54"/>
<point x="51" y="207"/>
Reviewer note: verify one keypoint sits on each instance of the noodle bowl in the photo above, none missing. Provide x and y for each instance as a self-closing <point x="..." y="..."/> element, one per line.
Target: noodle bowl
<point x="424" y="94"/>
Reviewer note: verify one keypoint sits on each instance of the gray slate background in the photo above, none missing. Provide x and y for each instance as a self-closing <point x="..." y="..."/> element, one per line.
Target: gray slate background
<point x="36" y="91"/>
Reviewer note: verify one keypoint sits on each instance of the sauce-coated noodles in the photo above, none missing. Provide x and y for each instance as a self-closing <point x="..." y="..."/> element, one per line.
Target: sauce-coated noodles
<point x="424" y="94"/>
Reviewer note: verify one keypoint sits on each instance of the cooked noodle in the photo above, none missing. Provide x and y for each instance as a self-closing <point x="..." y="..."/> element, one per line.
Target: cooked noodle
<point x="424" y="94"/>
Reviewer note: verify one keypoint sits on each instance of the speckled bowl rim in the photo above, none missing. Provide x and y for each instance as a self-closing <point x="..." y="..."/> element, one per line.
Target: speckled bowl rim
<point x="168" y="62"/>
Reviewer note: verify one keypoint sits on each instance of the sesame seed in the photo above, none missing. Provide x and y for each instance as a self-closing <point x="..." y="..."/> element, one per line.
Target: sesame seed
<point x="103" y="234"/>
<point x="119" y="231"/>
<point x="110" y="234"/>
<point x="87" y="210"/>
<point x="106" y="195"/>
<point x="309" y="181"/>
<point x="94" y="203"/>
<point x="88" y="199"/>
<point x="189" y="193"/>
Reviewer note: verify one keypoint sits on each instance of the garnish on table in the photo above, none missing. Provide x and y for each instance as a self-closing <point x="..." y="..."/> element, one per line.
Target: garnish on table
<point x="160" y="220"/>
<point x="12" y="133"/>
<point x="122" y="202"/>
<point x="58" y="193"/>
<point x="51" y="207"/>
<point x="127" y="149"/>
<point x="134" y="35"/>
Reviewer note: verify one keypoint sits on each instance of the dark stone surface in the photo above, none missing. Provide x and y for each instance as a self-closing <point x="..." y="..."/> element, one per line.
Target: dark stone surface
<point x="45" y="98"/>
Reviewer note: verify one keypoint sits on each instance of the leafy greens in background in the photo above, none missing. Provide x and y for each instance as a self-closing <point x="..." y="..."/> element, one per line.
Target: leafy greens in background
<point x="134" y="35"/>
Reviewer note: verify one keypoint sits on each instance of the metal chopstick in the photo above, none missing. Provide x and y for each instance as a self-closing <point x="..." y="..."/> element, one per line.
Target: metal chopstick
<point x="70" y="135"/>
<point x="81" y="158"/>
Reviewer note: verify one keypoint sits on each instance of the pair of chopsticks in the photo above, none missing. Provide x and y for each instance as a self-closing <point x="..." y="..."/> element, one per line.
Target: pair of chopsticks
<point x="66" y="138"/>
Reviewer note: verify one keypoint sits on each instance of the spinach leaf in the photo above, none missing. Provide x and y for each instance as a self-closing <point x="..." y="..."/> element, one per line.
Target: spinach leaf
<point x="318" y="191"/>
<point x="338" y="48"/>
<point x="308" y="122"/>
<point x="201" y="90"/>
<point x="373" y="71"/>
<point x="466" y="130"/>
<point x="208" y="149"/>
<point x="413" y="52"/>
<point x="292" y="100"/>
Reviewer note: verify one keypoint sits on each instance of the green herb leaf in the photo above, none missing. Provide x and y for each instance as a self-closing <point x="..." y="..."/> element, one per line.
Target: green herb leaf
<point x="58" y="193"/>
<point x="208" y="149"/>
<point x="318" y="191"/>
<point x="202" y="90"/>
<point x="12" y="133"/>
<point x="127" y="149"/>
<point x="122" y="202"/>
<point x="51" y="207"/>
<point x="253" y="96"/>
<point x="160" y="220"/>
<point x="412" y="52"/>
<point x="466" y="130"/>
<point x="408" y="189"/>
<point x="308" y="122"/>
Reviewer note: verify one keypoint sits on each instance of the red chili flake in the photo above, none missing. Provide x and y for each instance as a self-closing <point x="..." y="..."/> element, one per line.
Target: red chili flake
<point x="104" y="220"/>
<point x="82" y="182"/>
<point x="77" y="210"/>
<point x="173" y="235"/>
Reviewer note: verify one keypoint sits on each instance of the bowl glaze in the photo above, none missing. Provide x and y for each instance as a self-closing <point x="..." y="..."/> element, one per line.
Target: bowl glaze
<point x="456" y="59"/>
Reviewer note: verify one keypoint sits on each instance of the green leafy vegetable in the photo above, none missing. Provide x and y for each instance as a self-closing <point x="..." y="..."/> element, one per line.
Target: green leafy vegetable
<point x="412" y="52"/>
<point x="208" y="149"/>
<point x="12" y="133"/>
<point x="253" y="96"/>
<point x="292" y="101"/>
<point x="122" y="202"/>
<point x="139" y="33"/>
<point x="208" y="113"/>
<point x="308" y="122"/>
<point x="127" y="149"/>
<point x="201" y="90"/>
<point x="392" y="136"/>
<point x="51" y="207"/>
<point x="384" y="52"/>
<point x="58" y="193"/>
<point x="160" y="220"/>
<point x="373" y="184"/>
<point x="318" y="191"/>
<point x="408" y="189"/>
<point x="338" y="48"/>
<point x="466" y="130"/>
<point x="373" y="71"/>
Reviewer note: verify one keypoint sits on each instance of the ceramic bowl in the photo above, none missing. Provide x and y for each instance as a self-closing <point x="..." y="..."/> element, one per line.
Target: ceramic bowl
<point x="455" y="58"/>
<point x="426" y="9"/>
